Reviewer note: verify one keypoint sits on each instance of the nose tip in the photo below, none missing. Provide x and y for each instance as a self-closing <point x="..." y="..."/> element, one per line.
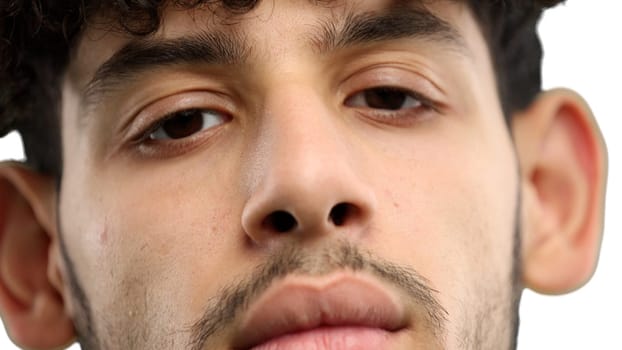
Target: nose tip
<point x="274" y="215"/>
<point x="281" y="221"/>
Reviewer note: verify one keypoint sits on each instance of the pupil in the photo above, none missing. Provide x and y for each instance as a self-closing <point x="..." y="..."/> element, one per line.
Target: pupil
<point x="184" y="124"/>
<point x="385" y="98"/>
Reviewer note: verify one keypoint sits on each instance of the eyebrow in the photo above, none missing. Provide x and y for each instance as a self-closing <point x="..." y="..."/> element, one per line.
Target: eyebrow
<point x="228" y="48"/>
<point x="398" y="22"/>
<point x="218" y="48"/>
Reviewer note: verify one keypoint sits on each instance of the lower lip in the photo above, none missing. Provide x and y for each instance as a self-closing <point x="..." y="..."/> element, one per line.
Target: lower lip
<point x="331" y="338"/>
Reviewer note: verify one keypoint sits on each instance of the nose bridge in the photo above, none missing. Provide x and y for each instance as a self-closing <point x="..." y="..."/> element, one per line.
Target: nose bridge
<point x="303" y="179"/>
<point x="302" y="136"/>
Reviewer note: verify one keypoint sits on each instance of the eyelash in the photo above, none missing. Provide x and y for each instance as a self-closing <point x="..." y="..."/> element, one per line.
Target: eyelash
<point x="398" y="116"/>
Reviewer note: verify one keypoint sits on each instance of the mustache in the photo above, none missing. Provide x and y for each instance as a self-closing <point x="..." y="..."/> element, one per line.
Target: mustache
<point x="235" y="298"/>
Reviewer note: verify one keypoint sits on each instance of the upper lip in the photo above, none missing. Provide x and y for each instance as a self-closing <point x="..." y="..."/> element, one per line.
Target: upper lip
<point x="300" y="303"/>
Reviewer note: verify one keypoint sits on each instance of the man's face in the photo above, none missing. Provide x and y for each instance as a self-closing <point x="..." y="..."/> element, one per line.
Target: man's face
<point x="336" y="175"/>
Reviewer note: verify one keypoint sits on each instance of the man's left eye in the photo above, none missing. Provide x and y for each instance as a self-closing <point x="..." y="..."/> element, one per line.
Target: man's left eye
<point x="384" y="98"/>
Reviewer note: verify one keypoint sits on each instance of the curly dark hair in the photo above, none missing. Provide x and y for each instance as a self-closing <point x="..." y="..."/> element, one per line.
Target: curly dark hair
<point x="36" y="37"/>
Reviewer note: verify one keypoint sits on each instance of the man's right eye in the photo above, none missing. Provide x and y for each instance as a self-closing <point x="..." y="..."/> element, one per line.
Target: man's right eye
<point x="186" y="123"/>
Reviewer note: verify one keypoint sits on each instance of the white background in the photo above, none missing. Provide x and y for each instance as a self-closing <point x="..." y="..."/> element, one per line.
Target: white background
<point x="583" y="45"/>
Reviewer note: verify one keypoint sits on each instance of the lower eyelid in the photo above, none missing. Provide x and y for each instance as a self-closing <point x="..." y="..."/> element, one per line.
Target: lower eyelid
<point x="399" y="118"/>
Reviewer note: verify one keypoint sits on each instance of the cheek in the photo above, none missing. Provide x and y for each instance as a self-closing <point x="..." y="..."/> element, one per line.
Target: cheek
<point x="447" y="218"/>
<point x="448" y="210"/>
<point x="153" y="240"/>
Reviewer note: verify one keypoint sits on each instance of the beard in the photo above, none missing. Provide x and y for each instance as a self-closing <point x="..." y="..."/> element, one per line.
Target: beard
<point x="233" y="300"/>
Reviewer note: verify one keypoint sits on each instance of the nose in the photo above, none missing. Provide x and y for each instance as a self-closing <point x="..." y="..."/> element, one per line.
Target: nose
<point x="306" y="180"/>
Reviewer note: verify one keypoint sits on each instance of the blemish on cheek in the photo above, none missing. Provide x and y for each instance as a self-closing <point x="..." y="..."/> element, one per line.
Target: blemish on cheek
<point x="103" y="233"/>
<point x="391" y="197"/>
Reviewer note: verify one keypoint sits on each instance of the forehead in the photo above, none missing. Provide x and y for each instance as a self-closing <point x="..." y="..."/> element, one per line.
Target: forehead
<point x="271" y="24"/>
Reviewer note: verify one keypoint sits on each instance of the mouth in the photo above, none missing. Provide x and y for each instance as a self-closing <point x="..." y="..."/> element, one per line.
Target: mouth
<point x="339" y="311"/>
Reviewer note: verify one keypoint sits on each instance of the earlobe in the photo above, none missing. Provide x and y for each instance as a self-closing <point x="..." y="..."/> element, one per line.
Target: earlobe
<point x="563" y="170"/>
<point x="30" y="301"/>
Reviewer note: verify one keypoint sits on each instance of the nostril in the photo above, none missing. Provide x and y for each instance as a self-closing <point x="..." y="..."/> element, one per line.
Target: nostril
<point x="341" y="212"/>
<point x="280" y="221"/>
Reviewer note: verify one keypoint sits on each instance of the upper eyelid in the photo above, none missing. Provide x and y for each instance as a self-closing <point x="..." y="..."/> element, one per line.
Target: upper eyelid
<point x="393" y="76"/>
<point x="151" y="89"/>
<point x="188" y="99"/>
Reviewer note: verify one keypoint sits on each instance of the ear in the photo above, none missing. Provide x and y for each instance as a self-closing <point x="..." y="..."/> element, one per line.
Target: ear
<point x="30" y="284"/>
<point x="563" y="174"/>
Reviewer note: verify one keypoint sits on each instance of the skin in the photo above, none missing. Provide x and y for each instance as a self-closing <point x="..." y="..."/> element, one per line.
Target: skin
<point x="151" y="232"/>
